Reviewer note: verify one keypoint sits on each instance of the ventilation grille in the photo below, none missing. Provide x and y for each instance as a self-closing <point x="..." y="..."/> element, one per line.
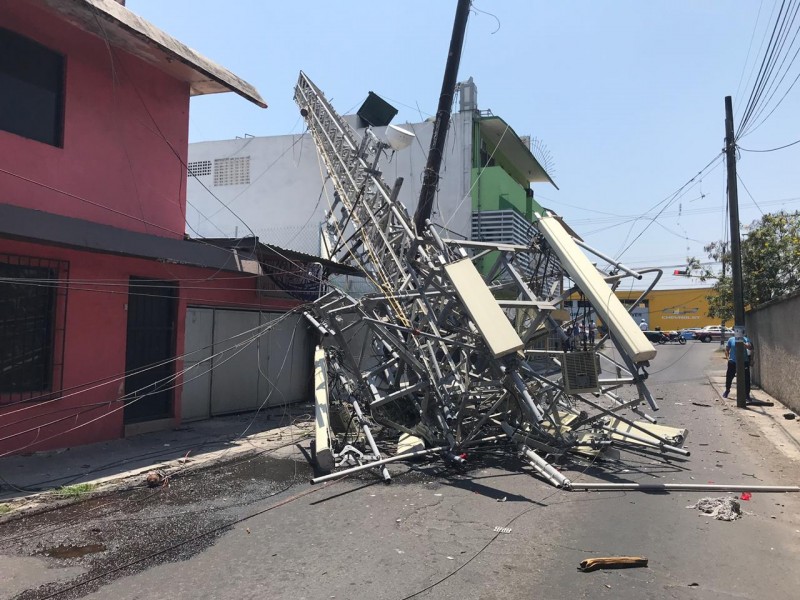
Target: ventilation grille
<point x="580" y="370"/>
<point x="232" y="171"/>
<point x="199" y="168"/>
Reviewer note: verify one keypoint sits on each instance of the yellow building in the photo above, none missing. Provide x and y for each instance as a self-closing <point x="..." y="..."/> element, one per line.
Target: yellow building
<point x="662" y="309"/>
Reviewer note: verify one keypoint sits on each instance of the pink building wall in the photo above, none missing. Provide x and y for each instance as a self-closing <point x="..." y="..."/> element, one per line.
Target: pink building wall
<point x="94" y="343"/>
<point x="126" y="127"/>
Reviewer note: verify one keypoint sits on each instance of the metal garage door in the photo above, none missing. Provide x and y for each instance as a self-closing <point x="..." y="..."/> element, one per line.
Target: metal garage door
<point x="231" y="372"/>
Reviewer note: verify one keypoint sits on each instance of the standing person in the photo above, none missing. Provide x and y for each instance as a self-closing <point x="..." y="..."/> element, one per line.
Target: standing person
<point x="592" y="332"/>
<point x="643" y="325"/>
<point x="730" y="354"/>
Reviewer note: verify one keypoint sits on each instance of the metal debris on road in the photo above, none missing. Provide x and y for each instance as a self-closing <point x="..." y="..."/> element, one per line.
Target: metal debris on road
<point x="724" y="508"/>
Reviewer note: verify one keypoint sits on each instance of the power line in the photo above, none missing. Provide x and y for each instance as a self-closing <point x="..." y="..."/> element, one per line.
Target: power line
<point x="770" y="149"/>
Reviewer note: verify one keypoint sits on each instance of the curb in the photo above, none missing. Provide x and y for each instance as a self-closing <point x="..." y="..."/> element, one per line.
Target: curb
<point x="46" y="501"/>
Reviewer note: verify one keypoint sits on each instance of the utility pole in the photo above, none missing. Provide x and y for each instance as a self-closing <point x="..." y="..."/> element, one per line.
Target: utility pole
<point x="736" y="257"/>
<point x="442" y="122"/>
<point x="724" y="260"/>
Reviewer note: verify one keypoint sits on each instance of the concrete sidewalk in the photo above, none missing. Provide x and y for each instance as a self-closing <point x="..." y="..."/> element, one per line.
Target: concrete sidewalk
<point x="42" y="480"/>
<point x="778" y="423"/>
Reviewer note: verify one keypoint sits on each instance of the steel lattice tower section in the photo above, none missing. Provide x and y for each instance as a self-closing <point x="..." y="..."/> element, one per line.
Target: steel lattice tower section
<point x="446" y="361"/>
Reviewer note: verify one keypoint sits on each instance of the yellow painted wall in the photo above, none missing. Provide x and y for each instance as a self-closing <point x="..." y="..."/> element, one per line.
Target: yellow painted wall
<point x="673" y="309"/>
<point x="676" y="309"/>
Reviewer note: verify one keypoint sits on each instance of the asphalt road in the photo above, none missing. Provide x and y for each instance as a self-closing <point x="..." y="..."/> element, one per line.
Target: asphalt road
<point x="257" y="529"/>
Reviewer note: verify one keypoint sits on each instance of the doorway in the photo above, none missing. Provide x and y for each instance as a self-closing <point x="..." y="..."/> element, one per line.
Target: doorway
<point x="150" y="349"/>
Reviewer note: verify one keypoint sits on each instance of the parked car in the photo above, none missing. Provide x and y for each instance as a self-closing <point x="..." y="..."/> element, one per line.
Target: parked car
<point x="713" y="333"/>
<point x="690" y="333"/>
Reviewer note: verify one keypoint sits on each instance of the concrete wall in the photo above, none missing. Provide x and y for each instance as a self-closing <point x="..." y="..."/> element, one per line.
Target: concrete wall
<point x="283" y="201"/>
<point x="122" y="119"/>
<point x="775" y="330"/>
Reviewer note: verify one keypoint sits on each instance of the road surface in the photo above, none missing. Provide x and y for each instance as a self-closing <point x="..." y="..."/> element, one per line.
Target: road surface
<point x="258" y="529"/>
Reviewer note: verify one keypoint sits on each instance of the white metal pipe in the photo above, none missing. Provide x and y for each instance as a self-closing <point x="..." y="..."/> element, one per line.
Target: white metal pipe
<point x="398" y="457"/>
<point x="682" y="487"/>
<point x="377" y="463"/>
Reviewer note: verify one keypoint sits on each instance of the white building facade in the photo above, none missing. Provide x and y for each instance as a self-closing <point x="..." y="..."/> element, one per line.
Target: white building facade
<point x="276" y="187"/>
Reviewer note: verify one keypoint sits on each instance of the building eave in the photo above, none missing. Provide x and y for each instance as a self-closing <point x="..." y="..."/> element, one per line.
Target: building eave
<point x="127" y="31"/>
<point x="502" y="139"/>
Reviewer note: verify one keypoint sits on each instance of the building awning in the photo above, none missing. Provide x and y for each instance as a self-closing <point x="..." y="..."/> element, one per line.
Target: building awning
<point x="263" y="252"/>
<point x="123" y="29"/>
<point x="510" y="150"/>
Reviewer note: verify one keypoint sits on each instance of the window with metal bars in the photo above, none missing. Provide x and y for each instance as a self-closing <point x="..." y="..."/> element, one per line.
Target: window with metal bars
<point x="32" y="310"/>
<point x="31" y="89"/>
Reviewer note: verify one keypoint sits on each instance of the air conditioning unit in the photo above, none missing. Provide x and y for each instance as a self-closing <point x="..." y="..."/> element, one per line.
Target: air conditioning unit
<point x="581" y="371"/>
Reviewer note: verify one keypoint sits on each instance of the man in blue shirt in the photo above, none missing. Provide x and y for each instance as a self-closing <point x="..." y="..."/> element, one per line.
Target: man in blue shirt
<point x="730" y="354"/>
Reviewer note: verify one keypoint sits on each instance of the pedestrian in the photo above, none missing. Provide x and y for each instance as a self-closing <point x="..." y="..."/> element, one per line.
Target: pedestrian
<point x="730" y="354"/>
<point x="576" y="336"/>
<point x="592" y="332"/>
<point x="643" y="325"/>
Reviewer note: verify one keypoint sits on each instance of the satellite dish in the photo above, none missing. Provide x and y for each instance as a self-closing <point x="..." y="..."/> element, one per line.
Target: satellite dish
<point x="398" y="137"/>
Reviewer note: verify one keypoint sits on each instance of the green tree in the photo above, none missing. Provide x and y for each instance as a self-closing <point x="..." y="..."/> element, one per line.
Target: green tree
<point x="770" y="264"/>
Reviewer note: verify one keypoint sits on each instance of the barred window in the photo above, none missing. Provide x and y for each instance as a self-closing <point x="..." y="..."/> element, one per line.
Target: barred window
<point x="232" y="171"/>
<point x="31" y="89"/>
<point x="31" y="325"/>
<point x="199" y="168"/>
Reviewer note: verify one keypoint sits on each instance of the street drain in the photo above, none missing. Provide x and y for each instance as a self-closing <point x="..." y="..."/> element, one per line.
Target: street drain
<point x="74" y="551"/>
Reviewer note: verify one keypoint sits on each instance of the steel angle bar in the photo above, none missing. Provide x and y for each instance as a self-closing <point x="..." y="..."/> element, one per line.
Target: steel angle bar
<point x="661" y="445"/>
<point x="370" y="440"/>
<point x="634" y="409"/>
<point x="609" y="260"/>
<point x="527" y="402"/>
<point x="610" y="412"/>
<point x="522" y="437"/>
<point x="642" y="389"/>
<point x="402" y="392"/>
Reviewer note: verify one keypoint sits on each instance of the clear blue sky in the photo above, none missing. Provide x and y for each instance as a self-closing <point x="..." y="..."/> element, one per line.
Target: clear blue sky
<point x="628" y="97"/>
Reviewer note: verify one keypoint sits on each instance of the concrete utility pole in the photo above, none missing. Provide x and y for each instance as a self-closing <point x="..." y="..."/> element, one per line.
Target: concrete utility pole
<point x="442" y="122"/>
<point x="736" y="256"/>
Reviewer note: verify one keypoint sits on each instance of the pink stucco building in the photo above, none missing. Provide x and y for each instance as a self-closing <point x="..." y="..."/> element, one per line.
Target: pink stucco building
<point x="96" y="274"/>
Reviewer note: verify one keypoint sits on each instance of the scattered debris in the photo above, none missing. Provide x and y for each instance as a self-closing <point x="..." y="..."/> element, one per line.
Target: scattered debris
<point x="745" y="496"/>
<point x="722" y="509"/>
<point x="789" y="416"/>
<point x="503" y="499"/>
<point x="499" y="529"/>
<point x="156" y="478"/>
<point x="611" y="562"/>
<point x="702" y="404"/>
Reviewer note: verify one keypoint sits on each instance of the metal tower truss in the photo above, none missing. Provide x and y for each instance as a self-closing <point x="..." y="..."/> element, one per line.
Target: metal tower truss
<point x="449" y="359"/>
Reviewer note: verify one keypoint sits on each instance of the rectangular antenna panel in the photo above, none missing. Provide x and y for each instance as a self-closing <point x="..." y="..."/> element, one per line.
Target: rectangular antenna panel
<point x="597" y="291"/>
<point x="489" y="318"/>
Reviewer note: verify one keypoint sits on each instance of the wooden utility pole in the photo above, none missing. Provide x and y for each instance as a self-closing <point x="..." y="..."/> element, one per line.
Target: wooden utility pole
<point x="736" y="257"/>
